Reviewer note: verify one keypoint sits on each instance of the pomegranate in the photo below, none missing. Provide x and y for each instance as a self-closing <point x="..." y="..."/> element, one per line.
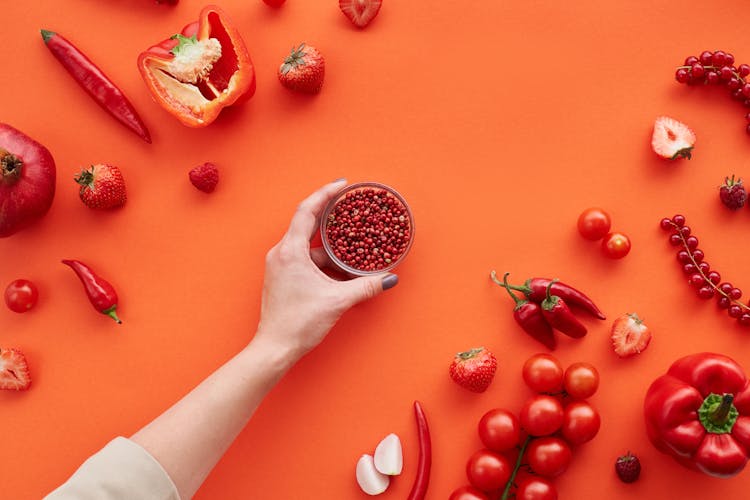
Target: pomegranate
<point x="27" y="180"/>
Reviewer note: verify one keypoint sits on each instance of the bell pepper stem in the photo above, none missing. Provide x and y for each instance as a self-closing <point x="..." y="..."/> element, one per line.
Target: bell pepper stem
<point x="718" y="414"/>
<point x="721" y="414"/>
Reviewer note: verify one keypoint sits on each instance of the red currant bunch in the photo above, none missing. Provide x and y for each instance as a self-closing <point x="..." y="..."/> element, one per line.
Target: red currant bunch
<point x="718" y="68"/>
<point x="706" y="282"/>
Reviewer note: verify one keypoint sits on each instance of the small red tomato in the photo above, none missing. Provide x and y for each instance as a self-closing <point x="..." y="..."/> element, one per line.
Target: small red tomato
<point x="468" y="493"/>
<point x="488" y="470"/>
<point x="549" y="456"/>
<point x="536" y="488"/>
<point x="616" y="245"/>
<point x="543" y="373"/>
<point x="593" y="223"/>
<point x="581" y="380"/>
<point x="542" y="415"/>
<point x="499" y="430"/>
<point x="581" y="422"/>
<point x="21" y="295"/>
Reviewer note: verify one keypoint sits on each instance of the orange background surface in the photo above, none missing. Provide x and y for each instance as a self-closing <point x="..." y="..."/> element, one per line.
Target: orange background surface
<point x="498" y="121"/>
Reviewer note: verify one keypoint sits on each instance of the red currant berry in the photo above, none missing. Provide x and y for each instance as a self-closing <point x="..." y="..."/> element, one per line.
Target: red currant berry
<point x="725" y="287"/>
<point x="704" y="267"/>
<point x="725" y="73"/>
<point x="666" y="224"/>
<point x="746" y="90"/>
<point x="714" y="277"/>
<point x="743" y="70"/>
<point x="685" y="231"/>
<point x="728" y="59"/>
<point x="706" y="292"/>
<point x="698" y="255"/>
<point x="705" y="57"/>
<point x="690" y="60"/>
<point x="712" y="77"/>
<point x="696" y="280"/>
<point x="679" y="220"/>
<point x="689" y="269"/>
<point x="735" y="294"/>
<point x="675" y="240"/>
<point x="734" y="83"/>
<point x="683" y="257"/>
<point x="697" y="70"/>
<point x="682" y="75"/>
<point x="737" y="95"/>
<point x="744" y="320"/>
<point x="724" y="302"/>
<point x="718" y="58"/>
<point x="735" y="311"/>
<point x="691" y="242"/>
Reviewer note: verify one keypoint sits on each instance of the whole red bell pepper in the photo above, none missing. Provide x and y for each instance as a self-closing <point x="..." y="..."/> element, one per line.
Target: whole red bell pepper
<point x="699" y="412"/>
<point x="200" y="71"/>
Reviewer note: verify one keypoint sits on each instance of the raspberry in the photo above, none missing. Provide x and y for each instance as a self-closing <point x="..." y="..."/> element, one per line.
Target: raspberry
<point x="205" y="177"/>
<point x="733" y="194"/>
<point x="628" y="468"/>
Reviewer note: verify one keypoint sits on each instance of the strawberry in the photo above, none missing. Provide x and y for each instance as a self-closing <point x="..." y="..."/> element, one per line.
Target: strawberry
<point x="303" y="70"/>
<point x="628" y="468"/>
<point x="205" y="177"/>
<point x="14" y="372"/>
<point x="732" y="193"/>
<point x="360" y="12"/>
<point x="102" y="187"/>
<point x="474" y="369"/>
<point x="630" y="335"/>
<point x="672" y="139"/>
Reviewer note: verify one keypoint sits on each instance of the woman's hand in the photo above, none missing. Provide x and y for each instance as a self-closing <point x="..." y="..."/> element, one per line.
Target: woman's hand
<point x="300" y="303"/>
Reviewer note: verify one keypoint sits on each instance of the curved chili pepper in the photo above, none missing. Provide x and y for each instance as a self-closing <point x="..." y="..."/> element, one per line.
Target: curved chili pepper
<point x="422" y="481"/>
<point x="535" y="290"/>
<point x="559" y="315"/>
<point x="529" y="316"/>
<point x="95" y="82"/>
<point x="100" y="292"/>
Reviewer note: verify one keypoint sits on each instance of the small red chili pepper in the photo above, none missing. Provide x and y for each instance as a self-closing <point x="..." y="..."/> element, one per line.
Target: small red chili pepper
<point x="529" y="316"/>
<point x="535" y="290"/>
<point x="419" y="489"/>
<point x="100" y="292"/>
<point x="95" y="82"/>
<point x="559" y="315"/>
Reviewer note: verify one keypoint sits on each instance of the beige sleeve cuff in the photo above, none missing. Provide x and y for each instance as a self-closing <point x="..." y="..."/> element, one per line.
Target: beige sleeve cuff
<point x="119" y="471"/>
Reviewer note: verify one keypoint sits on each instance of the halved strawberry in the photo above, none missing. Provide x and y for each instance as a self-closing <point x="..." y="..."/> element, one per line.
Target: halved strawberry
<point x="360" y="12"/>
<point x="630" y="336"/>
<point x="672" y="139"/>
<point x="14" y="372"/>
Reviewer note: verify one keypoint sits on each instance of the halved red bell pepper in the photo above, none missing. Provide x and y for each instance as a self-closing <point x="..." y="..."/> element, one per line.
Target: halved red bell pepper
<point x="199" y="72"/>
<point x="699" y="412"/>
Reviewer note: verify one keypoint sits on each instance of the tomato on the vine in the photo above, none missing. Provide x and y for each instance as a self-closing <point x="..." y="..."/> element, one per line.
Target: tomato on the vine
<point x="536" y="488"/>
<point x="542" y="415"/>
<point x="21" y="295"/>
<point x="543" y="373"/>
<point x="594" y="223"/>
<point x="468" y="493"/>
<point x="581" y="422"/>
<point x="549" y="456"/>
<point x="616" y="245"/>
<point x="499" y="430"/>
<point x="488" y="470"/>
<point x="581" y="380"/>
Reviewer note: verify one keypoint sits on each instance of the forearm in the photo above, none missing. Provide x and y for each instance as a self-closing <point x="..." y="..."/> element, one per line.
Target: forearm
<point x="190" y="437"/>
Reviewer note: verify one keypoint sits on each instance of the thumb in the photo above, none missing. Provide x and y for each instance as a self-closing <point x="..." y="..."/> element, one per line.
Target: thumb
<point x="367" y="287"/>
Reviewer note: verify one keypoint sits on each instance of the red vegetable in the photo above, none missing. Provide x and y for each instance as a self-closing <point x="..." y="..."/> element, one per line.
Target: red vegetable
<point x="529" y="316"/>
<point x="27" y="180"/>
<point x="419" y="489"/>
<point x="95" y="82"/>
<point x="699" y="412"/>
<point x="559" y="316"/>
<point x="100" y="292"/>
<point x="535" y="290"/>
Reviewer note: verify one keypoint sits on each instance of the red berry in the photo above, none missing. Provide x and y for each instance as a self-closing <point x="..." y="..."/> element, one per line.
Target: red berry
<point x="666" y="223"/>
<point x="205" y="177"/>
<point x="705" y="57"/>
<point x="714" y="277"/>
<point x="696" y="280"/>
<point x="675" y="240"/>
<point x="725" y="287"/>
<point x="679" y="220"/>
<point x="744" y="320"/>
<point x="683" y="256"/>
<point x="743" y="70"/>
<point x="712" y="77"/>
<point x="728" y="59"/>
<point x="706" y="292"/>
<point x="704" y="267"/>
<point x="698" y="255"/>
<point x="685" y="231"/>
<point x="691" y="242"/>
<point x="697" y="70"/>
<point x="682" y="75"/>
<point x="732" y="193"/>
<point x="628" y="468"/>
<point x="725" y="73"/>
<point x="689" y="269"/>
<point x="690" y="60"/>
<point x="724" y="302"/>
<point x="718" y="58"/>
<point x="735" y="294"/>
<point x="735" y="311"/>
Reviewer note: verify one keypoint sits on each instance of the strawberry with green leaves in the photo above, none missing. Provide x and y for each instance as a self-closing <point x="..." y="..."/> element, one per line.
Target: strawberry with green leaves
<point x="14" y="372"/>
<point x="102" y="187"/>
<point x="474" y="369"/>
<point x="303" y="70"/>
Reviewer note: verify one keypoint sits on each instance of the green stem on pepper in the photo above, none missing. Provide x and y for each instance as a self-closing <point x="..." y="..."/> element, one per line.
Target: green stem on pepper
<point x="504" y="284"/>
<point x="508" y="486"/>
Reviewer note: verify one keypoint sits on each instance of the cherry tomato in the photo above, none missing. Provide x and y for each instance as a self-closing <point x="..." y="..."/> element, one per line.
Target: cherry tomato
<point x="21" y="295"/>
<point x="499" y="430"/>
<point x="616" y="245"/>
<point x="542" y="415"/>
<point x="593" y="223"/>
<point x="536" y="488"/>
<point x="543" y="373"/>
<point x="468" y="493"/>
<point x="488" y="470"/>
<point x="581" y="380"/>
<point x="549" y="456"/>
<point x="581" y="422"/>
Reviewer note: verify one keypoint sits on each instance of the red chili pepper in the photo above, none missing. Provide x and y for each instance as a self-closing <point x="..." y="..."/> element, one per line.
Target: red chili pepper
<point x="100" y="292"/>
<point x="535" y="290"/>
<point x="419" y="490"/>
<point x="559" y="315"/>
<point x="96" y="83"/>
<point x="529" y="316"/>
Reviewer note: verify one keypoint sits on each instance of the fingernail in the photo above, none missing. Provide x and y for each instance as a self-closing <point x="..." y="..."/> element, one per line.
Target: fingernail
<point x="342" y="179"/>
<point x="390" y="281"/>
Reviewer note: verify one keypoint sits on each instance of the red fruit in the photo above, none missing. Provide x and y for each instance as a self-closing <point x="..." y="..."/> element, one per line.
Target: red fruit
<point x="14" y="372"/>
<point x="672" y="139"/>
<point x="628" y="468"/>
<point x="488" y="471"/>
<point x="616" y="245"/>
<point x="541" y="415"/>
<point x="21" y="295"/>
<point x="549" y="456"/>
<point x="360" y="12"/>
<point x="468" y="493"/>
<point x="102" y="187"/>
<point x="630" y="336"/>
<point x="27" y="180"/>
<point x="536" y="488"/>
<point x="303" y="70"/>
<point x="474" y="369"/>
<point x="205" y="177"/>
<point x="733" y="194"/>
